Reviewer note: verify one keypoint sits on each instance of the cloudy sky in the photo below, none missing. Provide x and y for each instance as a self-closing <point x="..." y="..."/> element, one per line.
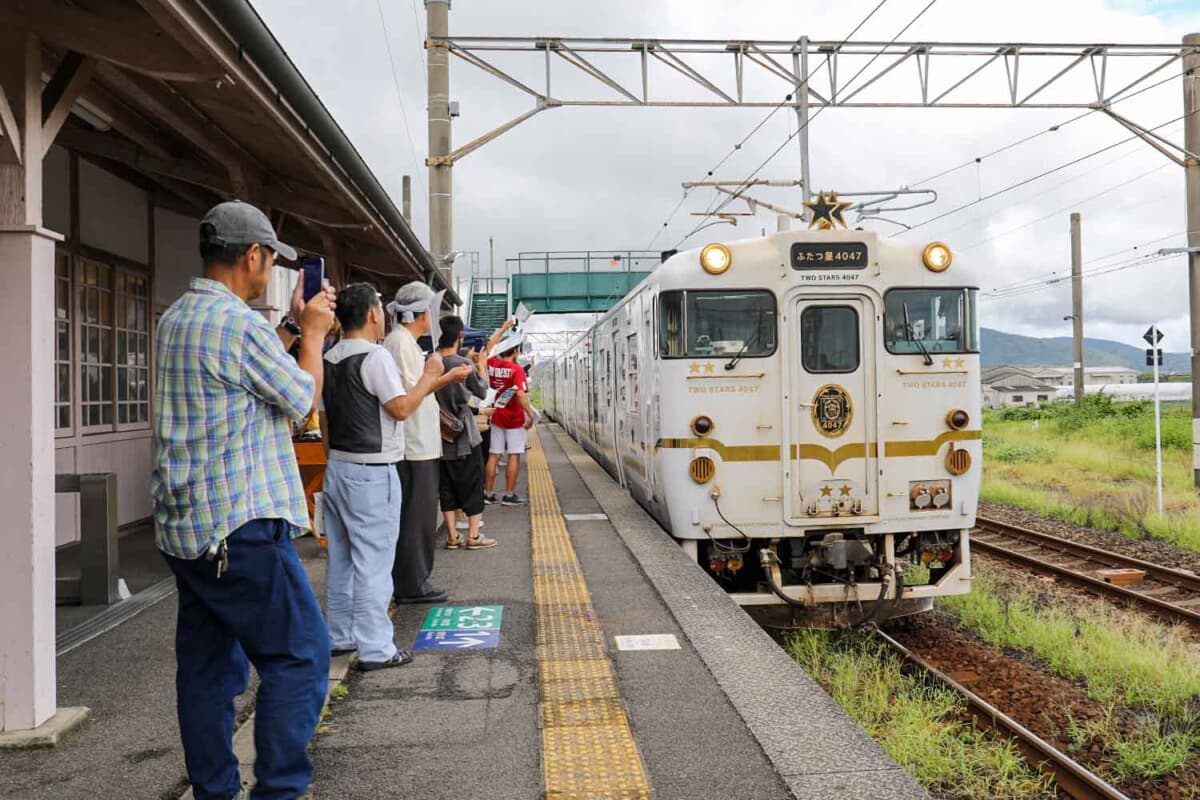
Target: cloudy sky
<point x="607" y="179"/>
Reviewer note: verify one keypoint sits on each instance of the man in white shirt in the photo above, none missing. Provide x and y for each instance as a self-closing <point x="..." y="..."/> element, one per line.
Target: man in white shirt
<point x="415" y="309"/>
<point x="363" y="405"/>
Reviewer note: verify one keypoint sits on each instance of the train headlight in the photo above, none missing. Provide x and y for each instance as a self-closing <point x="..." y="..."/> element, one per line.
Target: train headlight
<point x="958" y="419"/>
<point x="937" y="257"/>
<point x="702" y="425"/>
<point x="715" y="258"/>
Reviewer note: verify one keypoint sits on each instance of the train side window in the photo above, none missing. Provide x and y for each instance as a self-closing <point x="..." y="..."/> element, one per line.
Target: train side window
<point x="670" y="320"/>
<point x="829" y="339"/>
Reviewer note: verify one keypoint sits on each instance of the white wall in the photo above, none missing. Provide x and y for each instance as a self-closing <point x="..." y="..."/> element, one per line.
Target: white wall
<point x="176" y="255"/>
<point x="113" y="214"/>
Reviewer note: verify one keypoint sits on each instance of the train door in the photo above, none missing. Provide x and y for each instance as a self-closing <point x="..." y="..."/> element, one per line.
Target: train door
<point x="833" y="448"/>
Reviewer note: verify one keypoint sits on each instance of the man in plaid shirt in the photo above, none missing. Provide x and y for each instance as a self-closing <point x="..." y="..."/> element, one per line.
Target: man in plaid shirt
<point x="227" y="502"/>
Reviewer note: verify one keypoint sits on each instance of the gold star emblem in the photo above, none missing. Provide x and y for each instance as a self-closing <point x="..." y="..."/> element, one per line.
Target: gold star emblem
<point x="826" y="491"/>
<point x="845" y="490"/>
<point x="694" y="368"/>
<point x="827" y="211"/>
<point x="960" y="362"/>
<point x="947" y="363"/>
<point x="709" y="367"/>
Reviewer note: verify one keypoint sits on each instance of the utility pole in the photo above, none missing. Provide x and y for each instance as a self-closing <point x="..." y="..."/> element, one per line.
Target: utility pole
<point x="1077" y="305"/>
<point x="1191" y="142"/>
<point x="491" y="262"/>
<point x="800" y="67"/>
<point x="441" y="219"/>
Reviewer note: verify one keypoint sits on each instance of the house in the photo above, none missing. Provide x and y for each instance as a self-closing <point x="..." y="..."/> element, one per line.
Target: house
<point x="1008" y="385"/>
<point x="121" y="123"/>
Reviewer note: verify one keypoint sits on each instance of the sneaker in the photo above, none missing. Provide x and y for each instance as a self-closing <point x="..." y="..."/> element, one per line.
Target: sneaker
<point x="513" y="500"/>
<point x="401" y="658"/>
<point x="491" y="499"/>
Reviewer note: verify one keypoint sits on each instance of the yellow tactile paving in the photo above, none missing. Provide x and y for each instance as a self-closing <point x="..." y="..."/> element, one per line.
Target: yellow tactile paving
<point x="588" y="750"/>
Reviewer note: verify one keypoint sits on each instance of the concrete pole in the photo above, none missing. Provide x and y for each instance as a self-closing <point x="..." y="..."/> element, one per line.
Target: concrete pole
<point x="441" y="210"/>
<point x="27" y="659"/>
<point x="800" y="66"/>
<point x="1077" y="305"/>
<point x="406" y="198"/>
<point x="1191" y="141"/>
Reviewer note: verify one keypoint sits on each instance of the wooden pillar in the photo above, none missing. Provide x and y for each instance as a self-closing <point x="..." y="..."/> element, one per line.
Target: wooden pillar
<point x="27" y="625"/>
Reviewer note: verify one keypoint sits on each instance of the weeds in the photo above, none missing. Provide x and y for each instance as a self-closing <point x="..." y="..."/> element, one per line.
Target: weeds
<point x="918" y="725"/>
<point x="1120" y="657"/>
<point x="1094" y="466"/>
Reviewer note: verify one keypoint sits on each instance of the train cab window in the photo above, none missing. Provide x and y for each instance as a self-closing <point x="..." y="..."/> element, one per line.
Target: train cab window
<point x="917" y="321"/>
<point x="829" y="339"/>
<point x="716" y="323"/>
<point x="670" y="325"/>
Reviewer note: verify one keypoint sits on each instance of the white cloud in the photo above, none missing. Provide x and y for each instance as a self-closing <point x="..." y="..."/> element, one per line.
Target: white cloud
<point x="595" y="178"/>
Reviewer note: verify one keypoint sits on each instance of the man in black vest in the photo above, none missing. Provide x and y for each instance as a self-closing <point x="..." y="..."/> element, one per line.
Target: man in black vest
<point x="363" y="405"/>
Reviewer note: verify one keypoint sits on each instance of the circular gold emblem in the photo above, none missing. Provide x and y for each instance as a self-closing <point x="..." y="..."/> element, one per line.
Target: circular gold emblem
<point x="832" y="410"/>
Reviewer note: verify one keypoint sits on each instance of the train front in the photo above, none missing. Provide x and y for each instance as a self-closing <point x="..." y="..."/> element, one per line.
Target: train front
<point x="820" y="440"/>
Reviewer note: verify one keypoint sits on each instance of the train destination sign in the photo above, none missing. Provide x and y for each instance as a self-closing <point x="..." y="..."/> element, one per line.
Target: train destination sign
<point x="829" y="255"/>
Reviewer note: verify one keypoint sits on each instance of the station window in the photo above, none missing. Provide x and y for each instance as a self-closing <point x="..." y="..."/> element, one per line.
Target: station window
<point x="920" y="321"/>
<point x="717" y="323"/>
<point x="829" y="340"/>
<point x="62" y="343"/>
<point x="110" y="325"/>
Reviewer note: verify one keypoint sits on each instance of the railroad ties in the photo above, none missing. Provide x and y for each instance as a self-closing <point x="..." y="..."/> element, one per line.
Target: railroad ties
<point x="1162" y="591"/>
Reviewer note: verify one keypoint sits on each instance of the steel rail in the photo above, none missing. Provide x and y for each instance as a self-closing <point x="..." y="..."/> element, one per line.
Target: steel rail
<point x="1070" y="776"/>
<point x="1174" y="578"/>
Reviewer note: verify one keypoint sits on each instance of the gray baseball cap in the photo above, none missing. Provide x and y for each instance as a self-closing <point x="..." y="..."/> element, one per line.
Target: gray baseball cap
<point x="235" y="222"/>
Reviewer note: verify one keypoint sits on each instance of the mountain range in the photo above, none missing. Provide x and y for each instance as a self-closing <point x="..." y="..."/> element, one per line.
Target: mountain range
<point x="998" y="347"/>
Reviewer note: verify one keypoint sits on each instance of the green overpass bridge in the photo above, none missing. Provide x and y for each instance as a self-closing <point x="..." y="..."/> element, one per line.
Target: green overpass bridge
<point x="559" y="282"/>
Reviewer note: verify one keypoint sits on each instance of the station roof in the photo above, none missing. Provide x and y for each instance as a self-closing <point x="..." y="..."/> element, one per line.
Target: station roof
<point x="196" y="101"/>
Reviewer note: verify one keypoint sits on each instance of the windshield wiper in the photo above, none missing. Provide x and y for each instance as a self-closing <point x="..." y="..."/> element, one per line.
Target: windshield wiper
<point x="908" y="331"/>
<point x="733" y="361"/>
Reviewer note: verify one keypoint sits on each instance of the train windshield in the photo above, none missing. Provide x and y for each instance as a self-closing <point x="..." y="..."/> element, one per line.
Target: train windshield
<point x="701" y="324"/>
<point x="920" y="321"/>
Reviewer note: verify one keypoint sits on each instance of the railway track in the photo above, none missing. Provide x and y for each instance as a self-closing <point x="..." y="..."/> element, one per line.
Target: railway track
<point x="1072" y="778"/>
<point x="1166" y="592"/>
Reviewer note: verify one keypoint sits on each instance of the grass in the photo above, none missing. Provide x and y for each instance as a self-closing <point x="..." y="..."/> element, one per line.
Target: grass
<point x="918" y="725"/>
<point x="1094" y="465"/>
<point x="1120" y="657"/>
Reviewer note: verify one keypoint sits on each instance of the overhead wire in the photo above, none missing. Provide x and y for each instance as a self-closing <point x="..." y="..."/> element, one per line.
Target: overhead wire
<point x="1046" y="191"/>
<point x="1148" y="258"/>
<point x="1067" y="207"/>
<point x="745" y="183"/>
<point x="787" y="99"/>
<point x="387" y="41"/>
<point x="1042" y="277"/>
<point x="1039" y="176"/>
<point x="1052" y="129"/>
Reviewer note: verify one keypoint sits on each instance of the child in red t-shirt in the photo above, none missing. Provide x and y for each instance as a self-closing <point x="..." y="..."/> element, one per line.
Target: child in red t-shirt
<point x="511" y="420"/>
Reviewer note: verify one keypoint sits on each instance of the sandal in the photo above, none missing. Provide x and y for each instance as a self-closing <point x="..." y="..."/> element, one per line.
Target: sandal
<point x="454" y="544"/>
<point x="480" y="543"/>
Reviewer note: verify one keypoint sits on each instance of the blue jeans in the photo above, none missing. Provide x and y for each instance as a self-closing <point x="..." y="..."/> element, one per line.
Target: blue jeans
<point x="362" y="523"/>
<point x="262" y="611"/>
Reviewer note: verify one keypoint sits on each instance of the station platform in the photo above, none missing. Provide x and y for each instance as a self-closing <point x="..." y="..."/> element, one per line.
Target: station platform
<point x="585" y="657"/>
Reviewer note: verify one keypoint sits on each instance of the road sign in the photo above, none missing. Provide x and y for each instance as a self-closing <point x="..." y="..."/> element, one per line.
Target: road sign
<point x="1154" y="357"/>
<point x="457" y="640"/>
<point x="463" y="618"/>
<point x="1153" y="336"/>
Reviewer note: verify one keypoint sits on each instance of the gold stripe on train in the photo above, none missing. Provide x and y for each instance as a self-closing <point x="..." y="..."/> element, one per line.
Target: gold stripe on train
<point x="815" y="452"/>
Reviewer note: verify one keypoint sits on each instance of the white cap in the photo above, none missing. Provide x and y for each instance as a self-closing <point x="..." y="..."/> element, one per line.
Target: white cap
<point x="513" y="340"/>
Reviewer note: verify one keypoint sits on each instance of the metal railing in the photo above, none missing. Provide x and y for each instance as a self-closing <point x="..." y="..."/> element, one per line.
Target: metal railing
<point x="97" y="582"/>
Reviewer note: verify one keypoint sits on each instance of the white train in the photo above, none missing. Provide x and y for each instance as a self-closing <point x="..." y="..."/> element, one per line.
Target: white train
<point x="801" y="412"/>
